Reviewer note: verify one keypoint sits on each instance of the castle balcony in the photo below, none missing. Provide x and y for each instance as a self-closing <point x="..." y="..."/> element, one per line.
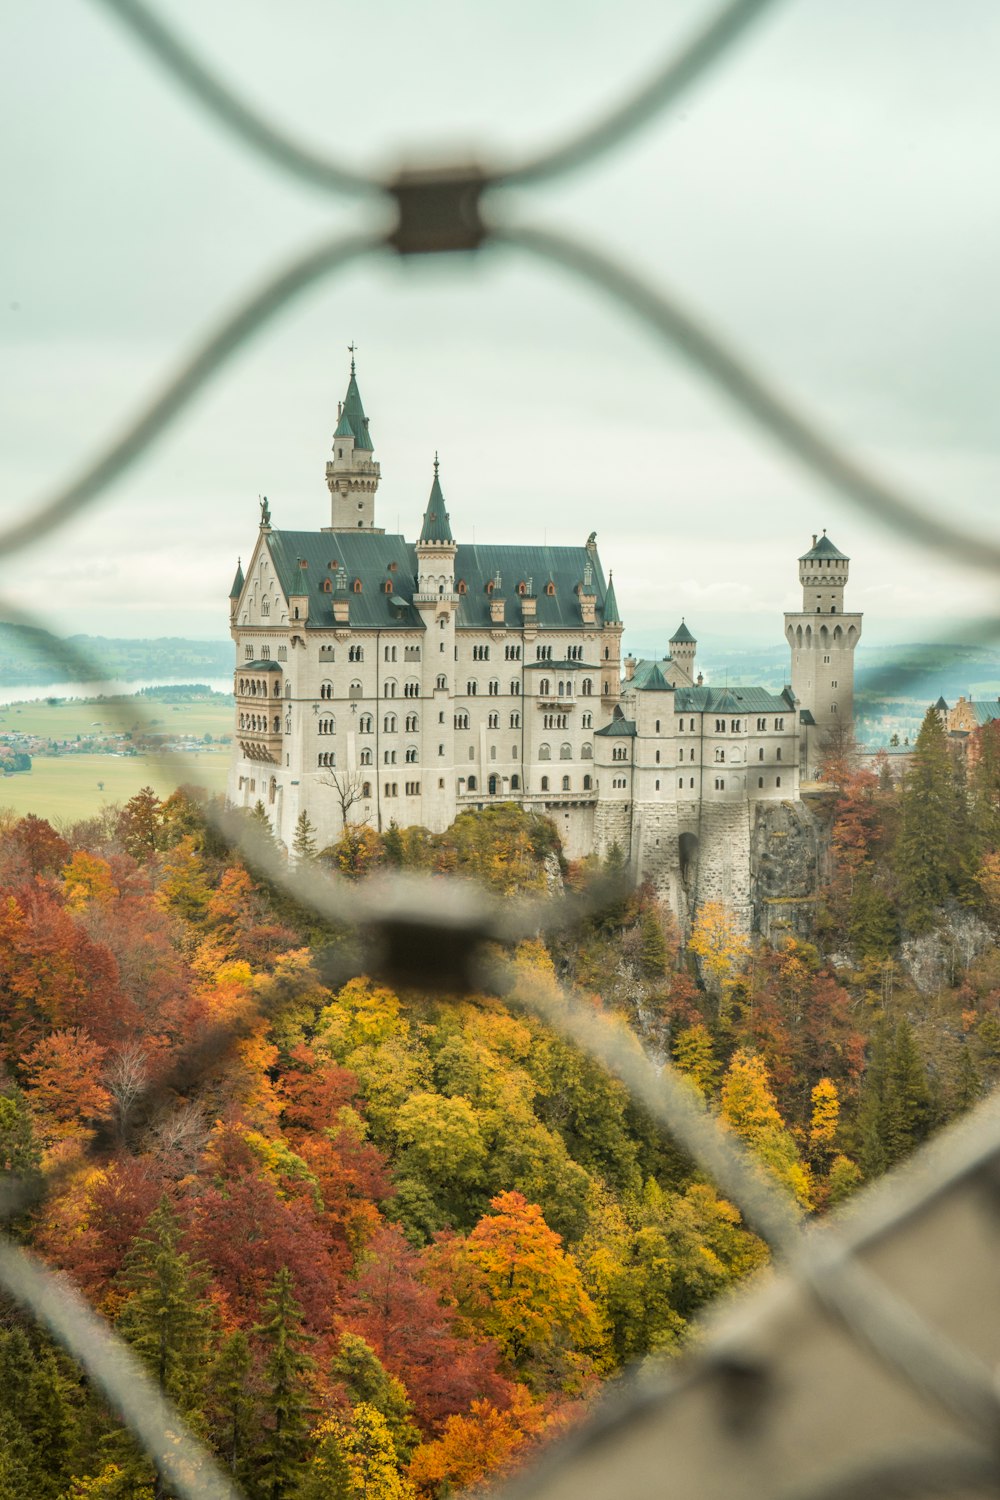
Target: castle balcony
<point x="262" y="747"/>
<point x="435" y="598"/>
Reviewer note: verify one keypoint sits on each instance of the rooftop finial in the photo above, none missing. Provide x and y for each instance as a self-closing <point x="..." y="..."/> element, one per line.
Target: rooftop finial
<point x="436" y="463"/>
<point x="352" y="350"/>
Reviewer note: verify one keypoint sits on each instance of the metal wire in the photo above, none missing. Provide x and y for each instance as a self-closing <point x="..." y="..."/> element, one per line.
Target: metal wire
<point x="408" y="932"/>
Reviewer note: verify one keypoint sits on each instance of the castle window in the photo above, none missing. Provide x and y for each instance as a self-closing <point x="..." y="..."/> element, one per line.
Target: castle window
<point x="544" y="752"/>
<point x="779" y="723"/>
<point x="657" y="757"/>
<point x="657" y="726"/>
<point x="493" y="722"/>
<point x="413" y="788"/>
<point x="760" y="753"/>
<point x="777" y="781"/>
<point x="587" y="753"/>
<point x="388" y="757"/>
<point x="471" y="784"/>
<point x="515" y="782"/>
<point x="736" y="726"/>
<point x="550" y="588"/>
<point x="327" y="586"/>
<point x="411" y="723"/>
<point x="326" y="758"/>
<point x="760" y="779"/>
<point x="833" y="708"/>
<point x="619" y="753"/>
<point x="389" y="653"/>
<point x="565" y="780"/>
<point x="366" y="724"/>
<point x="607" y="689"/>
<point x="248" y="653"/>
<point x="272" y="790"/>
<point x="357" y="583"/>
<point x="389" y="724"/>
<point x="391" y="788"/>
<point x="490" y="586"/>
<point x="366" y="757"/>
<point x="265" y="607"/>
<point x="545" y="783"/>
<point x="720" y="726"/>
<point x="522" y="589"/>
<point x="657" y="785"/>
<point x="463" y="587"/>
<point x="565" y="752"/>
<point x="680" y="783"/>
<point x="692" y="783"/>
<point x="493" y="752"/>
<point x="720" y="785"/>
<point x="515" y="689"/>
<point x="411" y="689"/>
<point x="411" y="653"/>
<point x="587" y="687"/>
<point x="356" y="653"/>
<point x="826" y="661"/>
<point x="366" y="789"/>
<point x="387" y="586"/>
<point x="587" y="783"/>
<point x="833" y="684"/>
<point x="390" y="689"/>
<point x="282" y="653"/>
<point x="761" y="723"/>
<point x="440" y="749"/>
<point x="461" y="721"/>
<point x="588" y="721"/>
<point x="327" y="726"/>
<point x="471" y="688"/>
<point x="480" y="653"/>
<point x="543" y="688"/>
<point x="777" y="753"/>
<point x="512" y="653"/>
<point x="442" y="683"/>
<point x="720" y="754"/>
<point x="515" y="720"/>
<point x="326" y="689"/>
<point x="494" y="687"/>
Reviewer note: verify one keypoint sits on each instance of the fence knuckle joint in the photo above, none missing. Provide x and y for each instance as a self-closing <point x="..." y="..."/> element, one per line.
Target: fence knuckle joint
<point x="438" y="209"/>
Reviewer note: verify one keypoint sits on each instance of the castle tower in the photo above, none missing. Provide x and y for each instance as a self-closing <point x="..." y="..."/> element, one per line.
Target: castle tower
<point x="682" y="652"/>
<point x="437" y="601"/>
<point x="822" y="638"/>
<point x="352" y="475"/>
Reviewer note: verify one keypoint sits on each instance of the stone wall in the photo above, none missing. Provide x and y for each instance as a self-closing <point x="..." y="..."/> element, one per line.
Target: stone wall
<point x="612" y="825"/>
<point x="789" y="858"/>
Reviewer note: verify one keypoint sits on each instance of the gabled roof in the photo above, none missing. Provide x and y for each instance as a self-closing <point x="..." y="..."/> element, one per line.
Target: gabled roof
<point x="941" y="704"/>
<point x="624" y="727"/>
<point x="264" y="665"/>
<point x="805" y="716"/>
<point x="823" y="548"/>
<point x="986" y="710"/>
<point x="368" y="556"/>
<point x="436" y="526"/>
<point x="611" y="615"/>
<point x="237" y="588"/>
<point x="354" y="414"/>
<point x="682" y="636"/>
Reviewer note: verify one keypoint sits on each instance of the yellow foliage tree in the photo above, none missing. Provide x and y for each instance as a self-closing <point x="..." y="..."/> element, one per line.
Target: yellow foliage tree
<point x="87" y="881"/>
<point x="750" y="1109"/>
<point x="694" y="1056"/>
<point x="825" y="1117"/>
<point x="720" y="947"/>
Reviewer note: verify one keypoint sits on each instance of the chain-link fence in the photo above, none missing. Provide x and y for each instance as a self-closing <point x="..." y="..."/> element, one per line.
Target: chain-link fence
<point x="866" y="1367"/>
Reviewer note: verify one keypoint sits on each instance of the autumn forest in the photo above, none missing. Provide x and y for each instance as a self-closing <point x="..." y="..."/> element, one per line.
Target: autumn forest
<point x="387" y="1243"/>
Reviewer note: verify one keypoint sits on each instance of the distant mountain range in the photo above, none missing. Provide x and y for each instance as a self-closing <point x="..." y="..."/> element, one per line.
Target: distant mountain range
<point x="31" y="658"/>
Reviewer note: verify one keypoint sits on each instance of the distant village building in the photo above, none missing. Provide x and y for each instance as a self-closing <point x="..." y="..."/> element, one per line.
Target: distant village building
<point x="380" y="680"/>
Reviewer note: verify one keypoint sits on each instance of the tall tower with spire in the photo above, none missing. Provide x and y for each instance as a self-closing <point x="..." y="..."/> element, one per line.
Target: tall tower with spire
<point x="352" y="475"/>
<point x="823" y="638"/>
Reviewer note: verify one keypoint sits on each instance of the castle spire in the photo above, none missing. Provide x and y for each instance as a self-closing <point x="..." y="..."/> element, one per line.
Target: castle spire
<point x="352" y="475"/>
<point x="611" y="615"/>
<point x="436" y="525"/>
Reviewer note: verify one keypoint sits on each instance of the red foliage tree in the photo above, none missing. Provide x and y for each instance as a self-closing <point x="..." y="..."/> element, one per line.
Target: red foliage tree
<point x="413" y="1335"/>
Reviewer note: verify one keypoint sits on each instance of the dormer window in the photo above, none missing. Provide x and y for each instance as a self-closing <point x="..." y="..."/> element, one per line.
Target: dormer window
<point x="490" y="586"/>
<point x="550" y="588"/>
<point x="522" y="589"/>
<point x="387" y="586"/>
<point x="327" y="586"/>
<point x="463" y="587"/>
<point x="357" y="585"/>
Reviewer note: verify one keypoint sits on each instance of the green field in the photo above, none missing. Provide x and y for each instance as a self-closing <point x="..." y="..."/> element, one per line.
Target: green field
<point x="64" y="788"/>
<point x="69" y="717"/>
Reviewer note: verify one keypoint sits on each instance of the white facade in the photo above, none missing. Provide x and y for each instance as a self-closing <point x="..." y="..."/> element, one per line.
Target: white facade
<point x="381" y="680"/>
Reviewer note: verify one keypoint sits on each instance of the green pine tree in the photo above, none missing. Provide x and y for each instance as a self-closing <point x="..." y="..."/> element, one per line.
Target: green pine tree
<point x="327" y="1475"/>
<point x="286" y="1393"/>
<point x="359" y="1370"/>
<point x="931" y="847"/>
<point x="392" y="845"/>
<point x="911" y="1112"/>
<point x="653" y="955"/>
<point x="231" y="1406"/>
<point x="871" y="924"/>
<point x="304" y="841"/>
<point x="875" y="1105"/>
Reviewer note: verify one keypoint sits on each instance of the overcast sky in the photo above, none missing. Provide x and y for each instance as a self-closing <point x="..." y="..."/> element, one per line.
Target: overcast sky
<point x="829" y="196"/>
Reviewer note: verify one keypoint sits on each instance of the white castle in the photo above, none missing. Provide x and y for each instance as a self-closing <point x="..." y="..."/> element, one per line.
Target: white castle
<point x="379" y="680"/>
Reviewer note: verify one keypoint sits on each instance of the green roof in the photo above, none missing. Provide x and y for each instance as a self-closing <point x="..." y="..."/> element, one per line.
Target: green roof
<point x="682" y="636"/>
<point x="368" y="557"/>
<point x="941" y="703"/>
<point x="823" y="548"/>
<point x="354" y="413"/>
<point x="237" y="588"/>
<point x="986" y="710"/>
<point x="264" y="665"/>
<point x="436" y="526"/>
<point x="747" y="700"/>
<point x="652" y="681"/>
<point x="624" y="727"/>
<point x="344" y="428"/>
<point x="611" y="615"/>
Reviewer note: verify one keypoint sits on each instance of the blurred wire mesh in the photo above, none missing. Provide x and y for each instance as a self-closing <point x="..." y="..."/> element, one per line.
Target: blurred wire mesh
<point x="865" y="1368"/>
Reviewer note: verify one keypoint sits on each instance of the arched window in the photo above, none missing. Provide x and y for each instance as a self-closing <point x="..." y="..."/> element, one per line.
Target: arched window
<point x="411" y="755"/>
<point x="357" y="585"/>
<point x="493" y="786"/>
<point x="471" y="784"/>
<point x="494" y="687"/>
<point x="442" y="683"/>
<point x="366" y="757"/>
<point x="463" y="587"/>
<point x="411" y="723"/>
<point x="389" y="723"/>
<point x="515" y="782"/>
<point x="387" y="586"/>
<point x="356" y="653"/>
<point x="587" y="783"/>
<point x="327" y="586"/>
<point x="326" y="689"/>
<point x="565" y="752"/>
<point x="565" y="784"/>
<point x="272" y="789"/>
<point x="389" y="690"/>
<point x="493" y="722"/>
<point x="515" y="689"/>
<point x="544" y="752"/>
<point x="550" y="588"/>
<point x="515" y="720"/>
<point x="588" y="721"/>
<point x="607" y="653"/>
<point x="543" y="688"/>
<point x="366" y="724"/>
<point x="587" y="752"/>
<point x="545" y="783"/>
<point x="587" y="687"/>
<point x="366" y="789"/>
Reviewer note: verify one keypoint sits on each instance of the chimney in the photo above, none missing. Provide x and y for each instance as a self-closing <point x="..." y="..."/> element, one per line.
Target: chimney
<point x="630" y="665"/>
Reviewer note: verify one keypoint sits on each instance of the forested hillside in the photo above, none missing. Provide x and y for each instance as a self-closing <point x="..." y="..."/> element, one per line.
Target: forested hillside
<point x="388" y="1243"/>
